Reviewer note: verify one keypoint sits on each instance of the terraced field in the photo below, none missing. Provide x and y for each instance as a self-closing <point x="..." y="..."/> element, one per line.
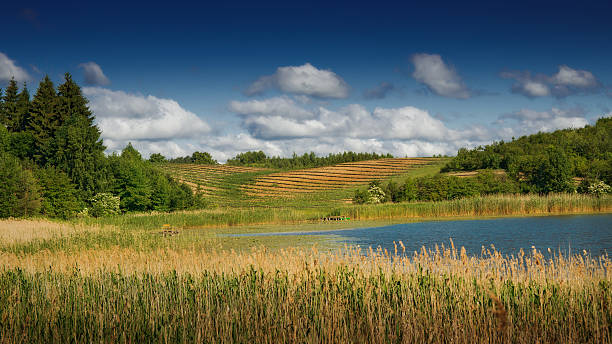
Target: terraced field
<point x="249" y="186"/>
<point x="286" y="184"/>
<point x="216" y="182"/>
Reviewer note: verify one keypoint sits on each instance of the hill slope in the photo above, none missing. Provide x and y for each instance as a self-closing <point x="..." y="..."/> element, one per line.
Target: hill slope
<point x="239" y="186"/>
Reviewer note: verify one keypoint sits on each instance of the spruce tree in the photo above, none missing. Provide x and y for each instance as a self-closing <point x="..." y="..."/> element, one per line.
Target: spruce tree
<point x="43" y="119"/>
<point x="76" y="147"/>
<point x="23" y="110"/>
<point x="9" y="106"/>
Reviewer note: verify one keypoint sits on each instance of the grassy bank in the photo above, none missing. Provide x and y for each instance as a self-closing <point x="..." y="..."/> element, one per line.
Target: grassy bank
<point x="437" y="296"/>
<point x="497" y="205"/>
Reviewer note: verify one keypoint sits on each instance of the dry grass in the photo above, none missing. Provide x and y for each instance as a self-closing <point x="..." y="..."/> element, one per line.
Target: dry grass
<point x="437" y="296"/>
<point x="16" y="231"/>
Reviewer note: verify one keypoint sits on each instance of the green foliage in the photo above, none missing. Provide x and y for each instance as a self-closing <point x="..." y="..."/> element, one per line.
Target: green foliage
<point x="9" y="109"/>
<point x="5" y="139"/>
<point x="104" y="204"/>
<point x="584" y="152"/>
<point x="19" y="192"/>
<point x="157" y="158"/>
<point x="308" y="160"/>
<point x="440" y="187"/>
<point x="55" y="135"/>
<point x="375" y="194"/>
<point x="21" y="144"/>
<point x="549" y="171"/>
<point x="43" y="121"/>
<point x="141" y="187"/>
<point x="78" y="151"/>
<point x="599" y="188"/>
<point x="59" y="196"/>
<point x="196" y="158"/>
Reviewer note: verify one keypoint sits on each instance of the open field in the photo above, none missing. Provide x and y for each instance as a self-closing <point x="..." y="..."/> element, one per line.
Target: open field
<point x="303" y="295"/>
<point x="118" y="279"/>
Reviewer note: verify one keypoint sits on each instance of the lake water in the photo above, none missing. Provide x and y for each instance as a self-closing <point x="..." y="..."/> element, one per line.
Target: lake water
<point x="568" y="233"/>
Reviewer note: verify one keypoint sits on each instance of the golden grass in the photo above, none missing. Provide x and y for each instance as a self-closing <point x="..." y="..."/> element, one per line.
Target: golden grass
<point x="15" y="231"/>
<point x="439" y="295"/>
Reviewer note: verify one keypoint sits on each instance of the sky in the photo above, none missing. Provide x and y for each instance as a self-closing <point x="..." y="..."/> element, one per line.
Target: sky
<point x="417" y="79"/>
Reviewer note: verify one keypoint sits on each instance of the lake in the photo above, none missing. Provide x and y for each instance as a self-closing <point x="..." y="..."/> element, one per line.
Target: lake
<point x="568" y="233"/>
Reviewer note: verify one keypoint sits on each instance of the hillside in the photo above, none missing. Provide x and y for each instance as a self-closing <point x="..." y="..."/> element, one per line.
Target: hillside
<point x="228" y="185"/>
<point x="547" y="162"/>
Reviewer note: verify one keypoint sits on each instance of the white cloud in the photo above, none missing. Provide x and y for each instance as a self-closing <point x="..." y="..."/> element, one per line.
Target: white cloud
<point x="8" y="70"/>
<point x="527" y="121"/>
<point x="277" y="106"/>
<point x="93" y="74"/>
<point x="565" y="82"/>
<point x="571" y="77"/>
<point x="535" y="89"/>
<point x="124" y="117"/>
<point x="263" y="120"/>
<point x="440" y="78"/>
<point x="304" y="80"/>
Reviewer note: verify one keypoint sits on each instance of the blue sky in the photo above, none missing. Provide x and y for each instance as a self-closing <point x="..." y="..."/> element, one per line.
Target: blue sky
<point x="419" y="79"/>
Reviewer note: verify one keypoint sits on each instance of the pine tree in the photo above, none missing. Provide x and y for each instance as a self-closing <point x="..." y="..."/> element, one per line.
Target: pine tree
<point x="77" y="148"/>
<point x="43" y="120"/>
<point x="23" y="110"/>
<point x="9" y="105"/>
<point x="71" y="101"/>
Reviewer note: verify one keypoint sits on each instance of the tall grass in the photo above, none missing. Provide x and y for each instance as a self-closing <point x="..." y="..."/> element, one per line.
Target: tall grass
<point x="496" y="205"/>
<point x="436" y="296"/>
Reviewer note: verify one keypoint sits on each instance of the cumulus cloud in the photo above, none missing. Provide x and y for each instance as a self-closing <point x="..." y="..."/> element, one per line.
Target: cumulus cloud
<point x="277" y="106"/>
<point x="349" y="122"/>
<point x="8" y="70"/>
<point x="527" y="121"/>
<point x="380" y="91"/>
<point x="565" y="82"/>
<point x="430" y="70"/>
<point x="123" y="117"/>
<point x="304" y="80"/>
<point x="93" y="74"/>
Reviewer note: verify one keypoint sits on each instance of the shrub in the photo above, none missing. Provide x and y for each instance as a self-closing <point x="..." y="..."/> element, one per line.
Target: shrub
<point x="104" y="204"/>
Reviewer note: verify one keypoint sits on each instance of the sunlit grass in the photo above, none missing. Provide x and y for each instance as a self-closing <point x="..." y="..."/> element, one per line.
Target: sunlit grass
<point x="303" y="295"/>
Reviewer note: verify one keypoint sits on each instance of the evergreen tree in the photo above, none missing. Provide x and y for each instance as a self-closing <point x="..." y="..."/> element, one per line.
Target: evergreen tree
<point x="23" y="110"/>
<point x="59" y="197"/>
<point x="43" y="120"/>
<point x="9" y="113"/>
<point x="71" y="102"/>
<point x="19" y="193"/>
<point x="77" y="148"/>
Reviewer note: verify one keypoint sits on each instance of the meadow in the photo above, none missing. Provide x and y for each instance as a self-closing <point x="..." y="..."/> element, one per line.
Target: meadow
<point x="303" y="295"/>
<point x="119" y="279"/>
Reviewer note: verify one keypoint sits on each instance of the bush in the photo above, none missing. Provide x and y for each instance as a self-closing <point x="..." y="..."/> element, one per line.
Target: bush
<point x="104" y="204"/>
<point x="599" y="188"/>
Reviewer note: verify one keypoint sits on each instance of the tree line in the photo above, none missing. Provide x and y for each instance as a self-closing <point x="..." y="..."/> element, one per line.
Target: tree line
<point x="435" y="188"/>
<point x="52" y="160"/>
<point x="547" y="162"/>
<point x="307" y="160"/>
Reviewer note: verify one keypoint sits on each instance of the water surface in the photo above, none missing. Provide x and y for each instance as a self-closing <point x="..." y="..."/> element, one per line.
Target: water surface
<point x="567" y="233"/>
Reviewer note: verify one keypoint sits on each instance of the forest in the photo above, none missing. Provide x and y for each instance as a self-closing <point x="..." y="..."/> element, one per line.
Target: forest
<point x="52" y="160"/>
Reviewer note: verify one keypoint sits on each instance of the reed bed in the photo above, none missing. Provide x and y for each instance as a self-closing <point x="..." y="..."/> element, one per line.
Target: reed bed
<point x="495" y="205"/>
<point x="438" y="295"/>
